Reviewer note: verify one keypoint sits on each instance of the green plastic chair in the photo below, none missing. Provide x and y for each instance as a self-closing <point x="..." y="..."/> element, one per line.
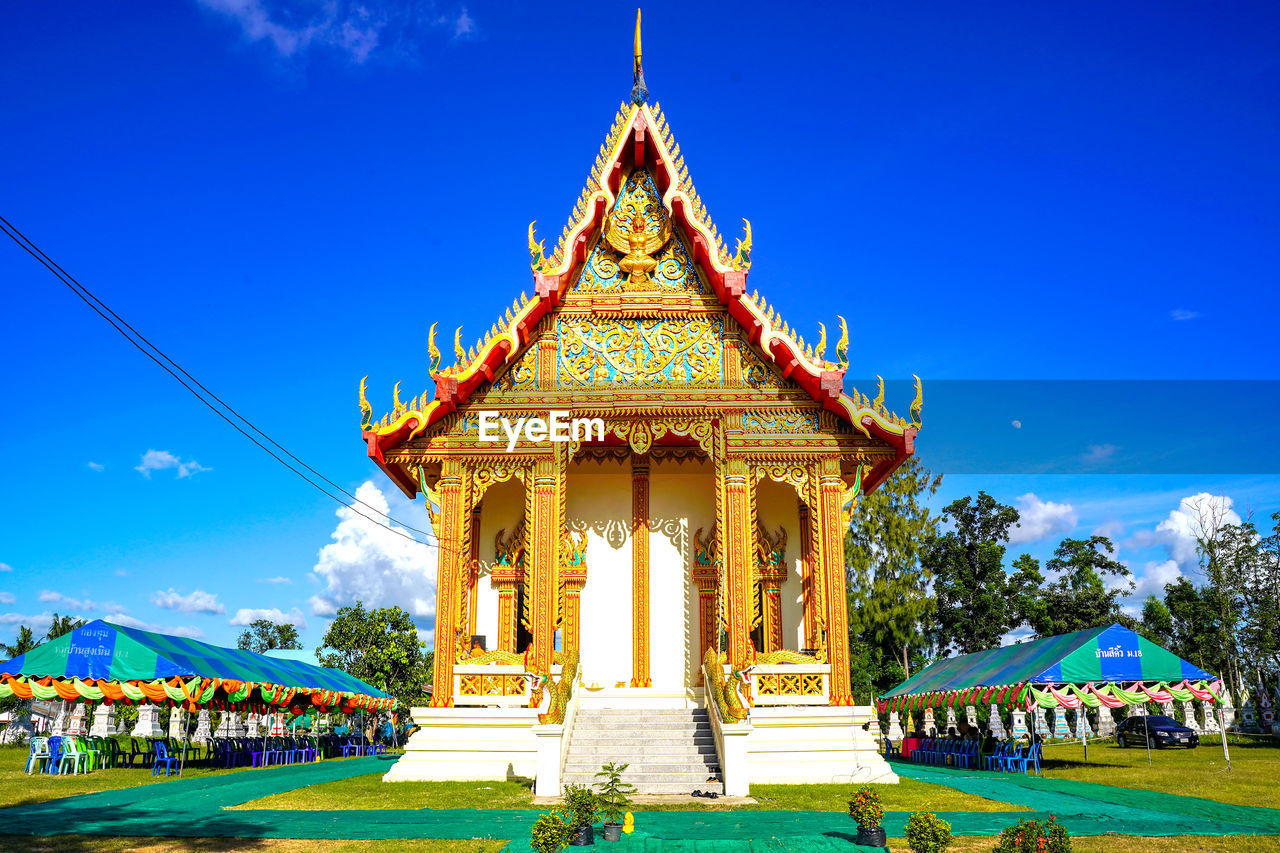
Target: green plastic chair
<point x="93" y="755"/>
<point x="72" y="752"/>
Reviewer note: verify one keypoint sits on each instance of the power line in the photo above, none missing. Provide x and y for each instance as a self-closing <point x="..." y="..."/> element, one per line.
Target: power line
<point x="151" y="351"/>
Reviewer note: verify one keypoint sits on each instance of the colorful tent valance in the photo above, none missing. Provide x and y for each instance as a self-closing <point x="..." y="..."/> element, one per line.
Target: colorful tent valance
<point x="102" y="662"/>
<point x="1082" y="668"/>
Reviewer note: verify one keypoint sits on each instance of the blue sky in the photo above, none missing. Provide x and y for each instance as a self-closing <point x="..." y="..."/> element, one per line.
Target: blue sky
<point x="284" y="196"/>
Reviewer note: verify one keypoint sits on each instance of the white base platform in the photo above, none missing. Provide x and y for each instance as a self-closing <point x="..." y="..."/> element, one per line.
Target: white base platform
<point x="783" y="744"/>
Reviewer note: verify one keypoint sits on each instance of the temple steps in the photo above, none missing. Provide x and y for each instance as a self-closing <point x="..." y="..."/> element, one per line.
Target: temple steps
<point x="667" y="751"/>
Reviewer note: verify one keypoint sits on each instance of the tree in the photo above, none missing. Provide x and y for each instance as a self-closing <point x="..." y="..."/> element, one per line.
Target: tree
<point x="973" y="606"/>
<point x="1194" y="620"/>
<point x="889" y="596"/>
<point x="60" y="625"/>
<point x="1157" y="622"/>
<point x="23" y="642"/>
<point x="263" y="635"/>
<point x="1081" y="598"/>
<point x="1261" y="589"/>
<point x="380" y="647"/>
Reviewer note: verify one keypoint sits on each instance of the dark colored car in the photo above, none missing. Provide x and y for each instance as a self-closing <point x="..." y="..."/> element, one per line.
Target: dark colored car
<point x="1159" y="730"/>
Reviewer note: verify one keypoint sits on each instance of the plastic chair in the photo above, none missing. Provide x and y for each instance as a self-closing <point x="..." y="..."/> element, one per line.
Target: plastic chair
<point x="93" y="755"/>
<point x="163" y="757"/>
<point x="55" y="754"/>
<point x="38" y="754"/>
<point x="71" y="752"/>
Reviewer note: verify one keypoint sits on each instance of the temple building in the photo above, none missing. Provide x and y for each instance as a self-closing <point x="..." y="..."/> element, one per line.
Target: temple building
<point x="658" y="553"/>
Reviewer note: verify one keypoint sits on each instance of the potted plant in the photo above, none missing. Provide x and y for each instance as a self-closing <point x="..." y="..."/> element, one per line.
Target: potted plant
<point x="550" y="833"/>
<point x="613" y="799"/>
<point x="928" y="833"/>
<point x="866" y="809"/>
<point x="580" y="804"/>
<point x="1034" y="836"/>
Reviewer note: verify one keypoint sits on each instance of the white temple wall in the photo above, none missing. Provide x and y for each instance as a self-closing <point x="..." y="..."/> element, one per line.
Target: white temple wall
<point x="501" y="509"/>
<point x="779" y="506"/>
<point x="598" y="500"/>
<point x="681" y="500"/>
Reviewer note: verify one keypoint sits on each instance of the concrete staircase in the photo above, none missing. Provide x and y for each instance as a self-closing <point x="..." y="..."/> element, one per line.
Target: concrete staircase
<point x="669" y="751"/>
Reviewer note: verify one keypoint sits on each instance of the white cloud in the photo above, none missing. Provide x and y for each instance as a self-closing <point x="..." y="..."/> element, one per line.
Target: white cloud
<point x="276" y="580"/>
<point x="97" y="466"/>
<point x="176" y="630"/>
<point x="1039" y="519"/>
<point x="1179" y="314"/>
<point x="366" y="562"/>
<point x="50" y="596"/>
<point x="37" y="622"/>
<point x="120" y="573"/>
<point x="1153" y="577"/>
<point x="1098" y="453"/>
<point x="247" y="615"/>
<point x="350" y="28"/>
<point x="1196" y="516"/>
<point x="464" y="25"/>
<point x="1110" y="529"/>
<point x="7" y="598"/>
<point x="5" y="567"/>
<point x="198" y="601"/>
<point x="161" y="460"/>
<point x="1016" y="424"/>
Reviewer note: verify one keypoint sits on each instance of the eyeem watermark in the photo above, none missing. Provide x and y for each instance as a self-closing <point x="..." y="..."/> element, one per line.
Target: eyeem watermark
<point x="557" y="426"/>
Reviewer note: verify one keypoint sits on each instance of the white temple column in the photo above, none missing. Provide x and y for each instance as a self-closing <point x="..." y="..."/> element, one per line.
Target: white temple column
<point x="1018" y="726"/>
<point x="1082" y="724"/>
<point x="1228" y="710"/>
<point x="178" y="724"/>
<point x="952" y="725"/>
<point x="204" y="727"/>
<point x="104" y="721"/>
<point x="76" y="726"/>
<point x="930" y="729"/>
<point x="148" y="724"/>
<point x="1189" y="716"/>
<point x="995" y="725"/>
<point x="20" y="728"/>
<point x="1060" y="729"/>
<point x="1166" y="708"/>
<point x="1106" y="722"/>
<point x="1042" y="724"/>
<point x="253" y="728"/>
<point x="971" y="716"/>
<point x="895" y="726"/>
<point x="59" y="726"/>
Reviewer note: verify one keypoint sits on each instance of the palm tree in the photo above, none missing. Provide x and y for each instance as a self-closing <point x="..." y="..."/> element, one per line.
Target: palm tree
<point x="25" y="642"/>
<point x="62" y="625"/>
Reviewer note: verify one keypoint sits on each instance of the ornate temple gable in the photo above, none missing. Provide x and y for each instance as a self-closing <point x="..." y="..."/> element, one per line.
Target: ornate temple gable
<point x="639" y="145"/>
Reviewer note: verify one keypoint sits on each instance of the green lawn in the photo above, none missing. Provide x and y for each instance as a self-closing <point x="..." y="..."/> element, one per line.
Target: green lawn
<point x="370" y="792"/>
<point x="1200" y="772"/>
<point x="93" y="844"/>
<point x="17" y="788"/>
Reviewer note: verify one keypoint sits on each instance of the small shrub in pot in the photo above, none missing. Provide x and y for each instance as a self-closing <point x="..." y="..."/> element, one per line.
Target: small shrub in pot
<point x="613" y="798"/>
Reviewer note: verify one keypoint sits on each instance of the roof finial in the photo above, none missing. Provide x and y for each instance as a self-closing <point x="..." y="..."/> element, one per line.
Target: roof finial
<point x="639" y="93"/>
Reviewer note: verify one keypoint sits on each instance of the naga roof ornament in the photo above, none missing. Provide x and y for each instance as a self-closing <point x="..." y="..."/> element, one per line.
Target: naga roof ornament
<point x="640" y="140"/>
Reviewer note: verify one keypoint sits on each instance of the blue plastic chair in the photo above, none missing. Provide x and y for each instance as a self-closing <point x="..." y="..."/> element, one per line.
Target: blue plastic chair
<point x="38" y="754"/>
<point x="163" y="757"/>
<point x="72" y="752"/>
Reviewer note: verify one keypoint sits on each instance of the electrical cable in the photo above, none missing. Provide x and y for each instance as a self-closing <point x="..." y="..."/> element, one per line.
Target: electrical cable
<point x="94" y="302"/>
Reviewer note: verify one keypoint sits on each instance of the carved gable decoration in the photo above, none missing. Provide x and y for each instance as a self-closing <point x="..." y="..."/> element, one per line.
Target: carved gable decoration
<point x="678" y="352"/>
<point x="638" y="251"/>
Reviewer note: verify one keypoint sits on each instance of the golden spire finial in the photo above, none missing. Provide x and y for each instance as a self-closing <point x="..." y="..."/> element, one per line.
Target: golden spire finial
<point x="639" y="93"/>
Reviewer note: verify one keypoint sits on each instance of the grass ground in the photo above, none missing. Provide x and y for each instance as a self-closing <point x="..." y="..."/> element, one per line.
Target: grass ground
<point x="370" y="792"/>
<point x="1200" y="772"/>
<point x="17" y="788"/>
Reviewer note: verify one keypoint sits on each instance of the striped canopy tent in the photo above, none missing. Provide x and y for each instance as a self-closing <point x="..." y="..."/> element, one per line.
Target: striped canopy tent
<point x="107" y="663"/>
<point x="1107" y="667"/>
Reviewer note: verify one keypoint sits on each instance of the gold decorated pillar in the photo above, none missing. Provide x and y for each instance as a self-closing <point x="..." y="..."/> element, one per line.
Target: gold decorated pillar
<point x="640" y="571"/>
<point x="771" y="581"/>
<point x="505" y="579"/>
<point x="705" y="577"/>
<point x="543" y="513"/>
<point x="451" y="575"/>
<point x="830" y="519"/>
<point x="809" y="590"/>
<point x="735" y="542"/>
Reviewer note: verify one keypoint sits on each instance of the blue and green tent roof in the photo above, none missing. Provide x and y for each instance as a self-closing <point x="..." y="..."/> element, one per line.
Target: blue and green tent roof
<point x="108" y="652"/>
<point x="1110" y="654"/>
